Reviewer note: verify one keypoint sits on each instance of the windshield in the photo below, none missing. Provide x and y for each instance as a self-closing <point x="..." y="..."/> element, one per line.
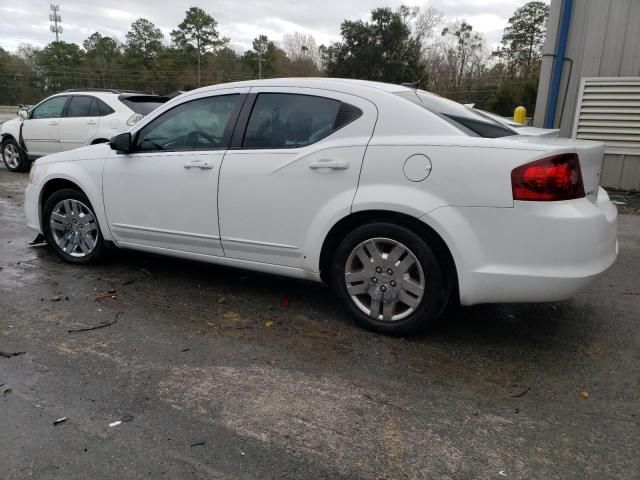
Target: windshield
<point x="466" y="119"/>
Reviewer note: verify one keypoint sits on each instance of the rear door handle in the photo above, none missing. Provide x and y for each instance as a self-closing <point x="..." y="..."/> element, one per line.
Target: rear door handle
<point x="330" y="164"/>
<point x="202" y="164"/>
<point x="53" y="123"/>
<point x="92" y="122"/>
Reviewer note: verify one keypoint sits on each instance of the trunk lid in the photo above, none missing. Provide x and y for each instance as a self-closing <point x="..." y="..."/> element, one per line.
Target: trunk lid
<point x="590" y="155"/>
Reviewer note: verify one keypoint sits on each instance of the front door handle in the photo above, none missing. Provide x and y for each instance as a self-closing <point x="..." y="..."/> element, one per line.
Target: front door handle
<point x="202" y="164"/>
<point x="92" y="122"/>
<point x="330" y="164"/>
<point x="53" y="124"/>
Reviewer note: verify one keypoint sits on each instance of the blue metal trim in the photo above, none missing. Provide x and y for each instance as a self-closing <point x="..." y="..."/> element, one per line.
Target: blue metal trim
<point x="558" y="63"/>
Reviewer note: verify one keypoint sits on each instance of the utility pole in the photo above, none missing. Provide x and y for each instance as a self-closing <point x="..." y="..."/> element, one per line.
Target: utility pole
<point x="55" y="17"/>
<point x="259" y="64"/>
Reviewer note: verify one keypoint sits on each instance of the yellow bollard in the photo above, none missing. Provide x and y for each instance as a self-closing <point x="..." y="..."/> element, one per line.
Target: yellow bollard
<point x="520" y="115"/>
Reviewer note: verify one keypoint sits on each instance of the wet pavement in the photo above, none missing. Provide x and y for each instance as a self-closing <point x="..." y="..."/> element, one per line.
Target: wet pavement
<point x="213" y="375"/>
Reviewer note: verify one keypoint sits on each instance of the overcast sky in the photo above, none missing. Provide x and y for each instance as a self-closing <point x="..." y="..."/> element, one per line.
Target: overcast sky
<point x="27" y="21"/>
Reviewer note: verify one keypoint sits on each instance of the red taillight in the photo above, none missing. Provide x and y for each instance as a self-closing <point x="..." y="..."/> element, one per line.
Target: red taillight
<point x="553" y="178"/>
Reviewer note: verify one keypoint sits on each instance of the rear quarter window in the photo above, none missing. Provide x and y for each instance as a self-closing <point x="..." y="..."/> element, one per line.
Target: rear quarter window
<point x="143" y="104"/>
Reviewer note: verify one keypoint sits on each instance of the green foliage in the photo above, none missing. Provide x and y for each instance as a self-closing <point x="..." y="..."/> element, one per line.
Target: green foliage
<point x="56" y="62"/>
<point x="382" y="49"/>
<point x="198" y="31"/>
<point x="144" y="40"/>
<point x="523" y="38"/>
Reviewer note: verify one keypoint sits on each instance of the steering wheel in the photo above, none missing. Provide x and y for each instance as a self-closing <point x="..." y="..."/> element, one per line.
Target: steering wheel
<point x="193" y="138"/>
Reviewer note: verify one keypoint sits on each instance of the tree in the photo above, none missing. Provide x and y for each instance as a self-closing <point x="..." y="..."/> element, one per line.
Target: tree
<point x="523" y="37"/>
<point x="467" y="45"/>
<point x="198" y="31"/>
<point x="382" y="49"/>
<point x="144" y="39"/>
<point x="101" y="53"/>
<point x="265" y="58"/>
<point x="301" y="48"/>
<point x="59" y="62"/>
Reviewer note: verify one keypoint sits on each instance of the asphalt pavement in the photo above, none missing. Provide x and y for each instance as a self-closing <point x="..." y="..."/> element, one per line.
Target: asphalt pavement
<point x="217" y="373"/>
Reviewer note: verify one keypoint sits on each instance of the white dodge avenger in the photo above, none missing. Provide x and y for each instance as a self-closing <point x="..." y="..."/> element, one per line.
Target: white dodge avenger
<point x="401" y="200"/>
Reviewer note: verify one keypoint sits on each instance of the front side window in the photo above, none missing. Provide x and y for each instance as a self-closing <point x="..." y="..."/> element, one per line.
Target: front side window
<point x="284" y="120"/>
<point x="82" y="106"/>
<point x="195" y="125"/>
<point x="51" y="108"/>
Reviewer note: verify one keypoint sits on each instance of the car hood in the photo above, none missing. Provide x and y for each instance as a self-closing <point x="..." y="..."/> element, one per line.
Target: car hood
<point x="91" y="152"/>
<point x="9" y="124"/>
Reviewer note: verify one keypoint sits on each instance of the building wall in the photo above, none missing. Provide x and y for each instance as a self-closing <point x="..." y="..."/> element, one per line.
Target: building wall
<point x="604" y="41"/>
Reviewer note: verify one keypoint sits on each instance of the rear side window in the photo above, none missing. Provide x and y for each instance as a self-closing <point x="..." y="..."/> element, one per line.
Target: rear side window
<point x="104" y="109"/>
<point x="81" y="106"/>
<point x="284" y="120"/>
<point x="466" y="119"/>
<point x="142" y="104"/>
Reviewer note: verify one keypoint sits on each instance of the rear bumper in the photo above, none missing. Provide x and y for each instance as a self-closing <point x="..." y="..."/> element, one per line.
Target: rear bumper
<point x="32" y="206"/>
<point x="533" y="252"/>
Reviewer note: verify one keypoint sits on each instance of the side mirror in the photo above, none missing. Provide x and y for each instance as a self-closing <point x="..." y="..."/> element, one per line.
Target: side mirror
<point x="121" y="143"/>
<point x="23" y="113"/>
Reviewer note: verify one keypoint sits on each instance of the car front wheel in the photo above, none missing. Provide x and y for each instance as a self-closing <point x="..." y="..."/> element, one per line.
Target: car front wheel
<point x="71" y="227"/>
<point x="13" y="156"/>
<point x="389" y="278"/>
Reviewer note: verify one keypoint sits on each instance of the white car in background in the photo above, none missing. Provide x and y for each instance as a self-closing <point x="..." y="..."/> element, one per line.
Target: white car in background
<point x="71" y="119"/>
<point x="401" y="203"/>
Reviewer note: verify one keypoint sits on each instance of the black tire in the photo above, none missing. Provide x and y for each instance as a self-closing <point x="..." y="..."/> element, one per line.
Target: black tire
<point x="436" y="288"/>
<point x="23" y="162"/>
<point x="98" y="250"/>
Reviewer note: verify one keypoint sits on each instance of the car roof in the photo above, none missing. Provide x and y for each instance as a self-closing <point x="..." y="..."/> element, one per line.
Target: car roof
<point x="311" y="82"/>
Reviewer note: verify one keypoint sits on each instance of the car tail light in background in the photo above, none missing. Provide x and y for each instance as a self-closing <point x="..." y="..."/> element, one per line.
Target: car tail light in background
<point x="135" y="118"/>
<point x="554" y="178"/>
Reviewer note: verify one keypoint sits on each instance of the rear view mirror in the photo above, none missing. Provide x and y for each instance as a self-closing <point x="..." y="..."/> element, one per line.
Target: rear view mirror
<point x="121" y="143"/>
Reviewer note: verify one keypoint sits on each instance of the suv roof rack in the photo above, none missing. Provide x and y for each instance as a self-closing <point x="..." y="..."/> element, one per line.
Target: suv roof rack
<point x="106" y="90"/>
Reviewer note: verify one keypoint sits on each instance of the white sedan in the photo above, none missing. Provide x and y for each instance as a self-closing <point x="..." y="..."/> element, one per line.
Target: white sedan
<point x="401" y="200"/>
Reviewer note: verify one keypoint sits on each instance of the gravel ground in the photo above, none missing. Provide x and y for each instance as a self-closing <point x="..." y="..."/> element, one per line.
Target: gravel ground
<point x="213" y="377"/>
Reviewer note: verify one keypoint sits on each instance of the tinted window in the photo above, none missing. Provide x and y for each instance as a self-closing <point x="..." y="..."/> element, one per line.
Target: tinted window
<point x="51" y="108"/>
<point x="467" y="119"/>
<point x="143" y="104"/>
<point x="281" y="120"/>
<point x="196" y="125"/>
<point x="104" y="109"/>
<point x="80" y="106"/>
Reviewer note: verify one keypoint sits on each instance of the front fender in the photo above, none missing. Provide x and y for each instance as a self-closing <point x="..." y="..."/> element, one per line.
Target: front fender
<point x="87" y="175"/>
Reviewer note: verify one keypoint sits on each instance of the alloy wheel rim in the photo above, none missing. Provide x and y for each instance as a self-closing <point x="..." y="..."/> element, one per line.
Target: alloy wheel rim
<point x="384" y="279"/>
<point x="74" y="228"/>
<point x="11" y="156"/>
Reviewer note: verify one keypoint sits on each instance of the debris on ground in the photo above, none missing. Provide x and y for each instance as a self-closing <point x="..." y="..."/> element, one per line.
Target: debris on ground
<point x="10" y="354"/>
<point x="56" y="298"/>
<point x="146" y="272"/>
<point x="101" y="325"/>
<point x="128" y="282"/>
<point x="185" y="349"/>
<point x="198" y="443"/>
<point x="222" y="300"/>
<point x="268" y="323"/>
<point x="105" y="295"/>
<point x="7" y="391"/>
<point x="230" y="315"/>
<point x="60" y="420"/>
<point x="584" y="394"/>
<point x="522" y="393"/>
<point x="127" y="418"/>
<point x="116" y="423"/>
<point x="39" y="241"/>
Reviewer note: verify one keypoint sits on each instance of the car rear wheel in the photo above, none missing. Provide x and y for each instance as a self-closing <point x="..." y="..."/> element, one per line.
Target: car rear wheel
<point x="71" y="227"/>
<point x="389" y="278"/>
<point x="14" y="157"/>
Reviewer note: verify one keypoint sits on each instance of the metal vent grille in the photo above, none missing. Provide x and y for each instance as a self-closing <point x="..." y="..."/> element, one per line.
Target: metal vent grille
<point x="608" y="110"/>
